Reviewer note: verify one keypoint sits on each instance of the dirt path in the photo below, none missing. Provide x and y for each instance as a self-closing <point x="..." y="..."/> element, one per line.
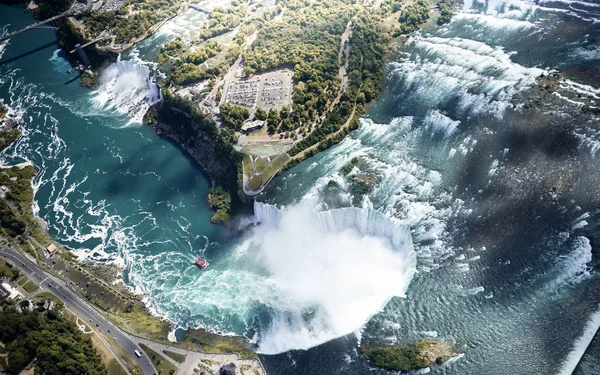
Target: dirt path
<point x="345" y="54"/>
<point x="346" y="124"/>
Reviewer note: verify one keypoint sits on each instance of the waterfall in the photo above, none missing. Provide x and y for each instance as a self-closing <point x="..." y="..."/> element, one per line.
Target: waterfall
<point x="366" y="221"/>
<point x="331" y="271"/>
<point x="126" y="87"/>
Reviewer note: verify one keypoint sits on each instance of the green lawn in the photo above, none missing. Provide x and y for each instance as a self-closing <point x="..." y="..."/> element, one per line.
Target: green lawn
<point x="6" y="270"/>
<point x="254" y="182"/>
<point x="21" y="280"/>
<point x="274" y="167"/>
<point x="47" y="295"/>
<point x="248" y="166"/>
<point x="114" y="368"/>
<point x="175" y="356"/>
<point x="163" y="366"/>
<point x="260" y="163"/>
<point x="30" y="287"/>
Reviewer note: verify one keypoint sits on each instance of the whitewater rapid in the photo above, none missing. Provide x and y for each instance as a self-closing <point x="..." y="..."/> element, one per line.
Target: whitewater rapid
<point x="126" y="87"/>
<point x="330" y="271"/>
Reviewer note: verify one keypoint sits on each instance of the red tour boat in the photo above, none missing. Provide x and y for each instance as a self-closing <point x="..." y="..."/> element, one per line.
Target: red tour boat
<point x="201" y="263"/>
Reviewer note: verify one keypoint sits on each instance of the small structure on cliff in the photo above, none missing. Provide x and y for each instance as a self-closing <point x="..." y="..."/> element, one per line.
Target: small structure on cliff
<point x="228" y="369"/>
<point x="250" y="126"/>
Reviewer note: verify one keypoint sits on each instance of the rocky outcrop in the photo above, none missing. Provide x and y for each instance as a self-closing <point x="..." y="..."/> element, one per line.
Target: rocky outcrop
<point x="406" y="358"/>
<point x="182" y="129"/>
<point x="227" y="369"/>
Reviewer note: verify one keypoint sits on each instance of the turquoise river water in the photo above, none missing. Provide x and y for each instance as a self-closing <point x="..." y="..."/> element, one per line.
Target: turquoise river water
<point x="483" y="227"/>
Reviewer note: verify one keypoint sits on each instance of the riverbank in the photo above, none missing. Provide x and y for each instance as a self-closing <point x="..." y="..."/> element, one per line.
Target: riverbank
<point x="101" y="285"/>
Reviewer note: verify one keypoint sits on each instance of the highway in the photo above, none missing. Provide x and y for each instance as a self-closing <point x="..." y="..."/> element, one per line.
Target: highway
<point x="59" y="288"/>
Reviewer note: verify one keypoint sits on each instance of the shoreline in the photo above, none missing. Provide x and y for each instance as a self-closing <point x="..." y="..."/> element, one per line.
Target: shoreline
<point x="108" y="277"/>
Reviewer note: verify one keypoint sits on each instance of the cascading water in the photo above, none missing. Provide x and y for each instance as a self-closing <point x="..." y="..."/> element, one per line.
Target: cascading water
<point x="127" y="88"/>
<point x="489" y="181"/>
<point x="332" y="271"/>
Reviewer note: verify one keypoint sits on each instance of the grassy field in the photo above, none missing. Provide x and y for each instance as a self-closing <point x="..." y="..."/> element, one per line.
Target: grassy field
<point x="274" y="167"/>
<point x="208" y="342"/>
<point x="254" y="182"/>
<point x="6" y="270"/>
<point x="125" y="356"/>
<point x="175" y="356"/>
<point x="138" y="319"/>
<point x="47" y="295"/>
<point x="107" y="357"/>
<point x="161" y="363"/>
<point x="114" y="368"/>
<point x="260" y="163"/>
<point x="30" y="287"/>
<point x="248" y="166"/>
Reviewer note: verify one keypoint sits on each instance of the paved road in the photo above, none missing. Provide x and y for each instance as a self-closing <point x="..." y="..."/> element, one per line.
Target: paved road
<point x="60" y="289"/>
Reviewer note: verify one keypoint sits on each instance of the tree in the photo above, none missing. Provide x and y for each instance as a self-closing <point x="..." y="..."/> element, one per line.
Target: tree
<point x="260" y="114"/>
<point x="233" y="116"/>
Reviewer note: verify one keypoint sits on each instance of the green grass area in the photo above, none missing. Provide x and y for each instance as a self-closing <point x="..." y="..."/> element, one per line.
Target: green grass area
<point x="247" y="166"/>
<point x="30" y="287"/>
<point x="275" y="166"/>
<point x="138" y="319"/>
<point x="260" y="163"/>
<point x="7" y="271"/>
<point x="254" y="182"/>
<point x="175" y="356"/>
<point x="125" y="356"/>
<point x="114" y="368"/>
<point x="244" y="368"/>
<point x="47" y="295"/>
<point x="208" y="342"/>
<point x="21" y="280"/>
<point x="163" y="366"/>
<point x="90" y="287"/>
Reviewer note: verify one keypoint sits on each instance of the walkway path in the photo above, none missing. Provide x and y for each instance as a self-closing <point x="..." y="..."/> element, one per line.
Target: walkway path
<point x="213" y="362"/>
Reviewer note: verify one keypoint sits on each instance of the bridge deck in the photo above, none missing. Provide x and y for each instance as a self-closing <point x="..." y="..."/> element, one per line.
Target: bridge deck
<point x="71" y="12"/>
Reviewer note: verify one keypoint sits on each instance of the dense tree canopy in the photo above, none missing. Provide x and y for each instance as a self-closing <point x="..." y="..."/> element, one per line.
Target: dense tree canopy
<point x="57" y="346"/>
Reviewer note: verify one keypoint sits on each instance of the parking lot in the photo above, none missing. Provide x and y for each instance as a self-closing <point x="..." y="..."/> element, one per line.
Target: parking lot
<point x="267" y="91"/>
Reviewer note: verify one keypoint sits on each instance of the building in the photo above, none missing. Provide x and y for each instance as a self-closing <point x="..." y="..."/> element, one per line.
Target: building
<point x="12" y="292"/>
<point x="47" y="305"/>
<point x="3" y="293"/>
<point x="26" y="306"/>
<point x="52" y="249"/>
<point x="251" y="126"/>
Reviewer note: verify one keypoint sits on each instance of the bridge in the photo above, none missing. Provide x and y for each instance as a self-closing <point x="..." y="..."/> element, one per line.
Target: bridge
<point x="201" y="8"/>
<point x="74" y="10"/>
<point x="90" y="43"/>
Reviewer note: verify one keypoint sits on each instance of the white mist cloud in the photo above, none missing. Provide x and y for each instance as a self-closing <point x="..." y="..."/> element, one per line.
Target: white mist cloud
<point x="332" y="271"/>
<point x="124" y="87"/>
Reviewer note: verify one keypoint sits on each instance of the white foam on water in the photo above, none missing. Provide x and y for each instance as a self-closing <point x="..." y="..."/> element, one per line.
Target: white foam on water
<point x="332" y="271"/>
<point x="437" y="123"/>
<point x="581" y="344"/>
<point x="482" y="79"/>
<point x="574" y="265"/>
<point x="127" y="89"/>
<point x="59" y="64"/>
<point x="514" y="9"/>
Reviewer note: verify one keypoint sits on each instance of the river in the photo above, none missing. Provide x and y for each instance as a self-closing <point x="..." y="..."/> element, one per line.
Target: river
<point x="482" y="227"/>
